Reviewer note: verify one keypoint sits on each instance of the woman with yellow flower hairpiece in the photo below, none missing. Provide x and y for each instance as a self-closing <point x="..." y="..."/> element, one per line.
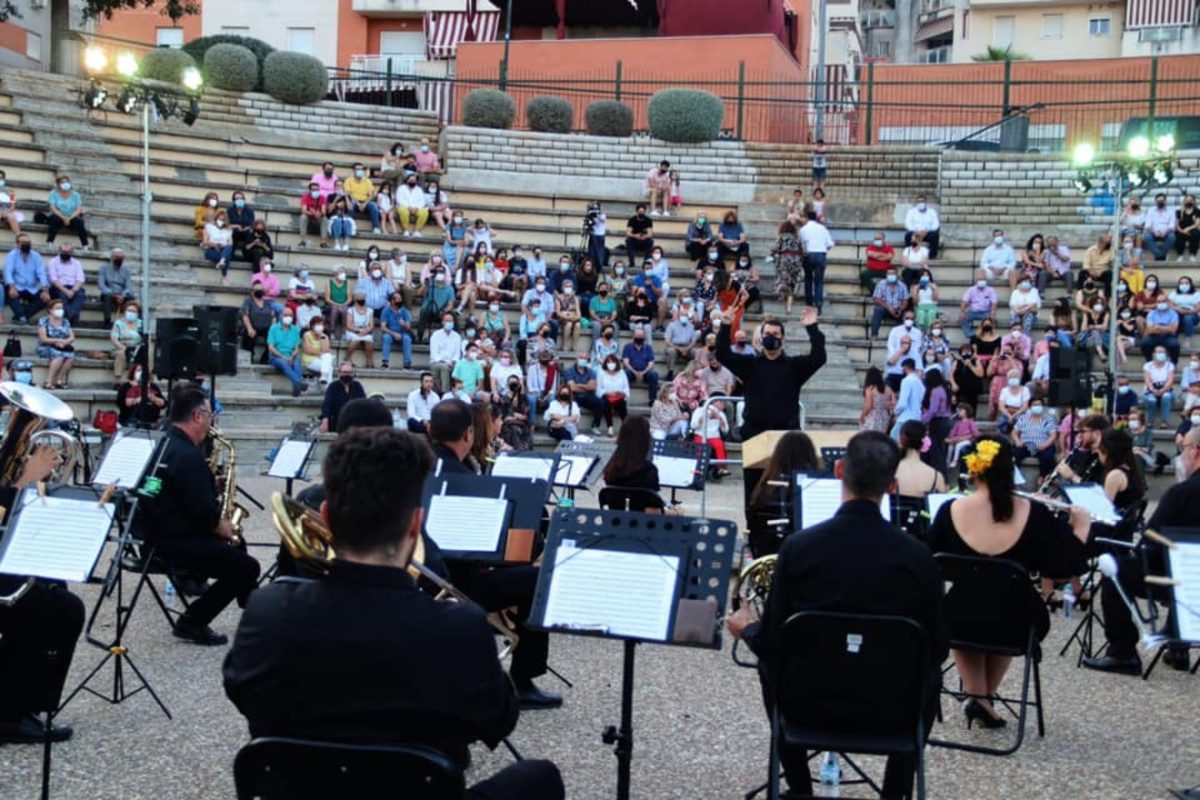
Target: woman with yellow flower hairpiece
<point x="993" y="523"/>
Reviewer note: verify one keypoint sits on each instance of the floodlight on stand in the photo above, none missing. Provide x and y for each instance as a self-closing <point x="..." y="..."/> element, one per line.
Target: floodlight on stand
<point x="1084" y="154"/>
<point x="127" y="102"/>
<point x="192" y="80"/>
<point x="127" y="64"/>
<point x="1139" y="147"/>
<point x="192" y="113"/>
<point x="1083" y="184"/>
<point x="95" y="60"/>
<point x="1165" y="143"/>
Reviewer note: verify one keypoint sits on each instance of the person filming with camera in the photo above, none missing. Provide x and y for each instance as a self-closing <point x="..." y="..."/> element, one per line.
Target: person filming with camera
<point x="595" y="228"/>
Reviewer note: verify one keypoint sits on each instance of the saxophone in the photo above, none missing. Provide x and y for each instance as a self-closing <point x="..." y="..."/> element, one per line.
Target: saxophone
<point x="222" y="463"/>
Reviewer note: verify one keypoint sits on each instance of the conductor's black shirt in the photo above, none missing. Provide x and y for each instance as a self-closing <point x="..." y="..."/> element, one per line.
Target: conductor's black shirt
<point x="772" y="386"/>
<point x="179" y="499"/>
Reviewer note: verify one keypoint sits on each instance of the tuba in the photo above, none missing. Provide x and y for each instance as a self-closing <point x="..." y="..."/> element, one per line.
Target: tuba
<point x="222" y="463"/>
<point x="309" y="540"/>
<point x="753" y="583"/>
<point x="31" y="424"/>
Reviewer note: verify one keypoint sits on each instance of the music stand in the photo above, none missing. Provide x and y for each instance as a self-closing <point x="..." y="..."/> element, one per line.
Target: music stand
<point x="571" y="473"/>
<point x="55" y="533"/>
<point x="824" y="498"/>
<point x="484" y="518"/>
<point x="830" y="455"/>
<point x="672" y="573"/>
<point x="291" y="460"/>
<point x="1181" y="594"/>
<point x="681" y="464"/>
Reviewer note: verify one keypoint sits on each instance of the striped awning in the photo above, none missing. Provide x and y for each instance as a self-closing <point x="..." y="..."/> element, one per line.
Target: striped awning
<point x="445" y="29"/>
<point x="938" y="27"/>
<point x="1159" y="13"/>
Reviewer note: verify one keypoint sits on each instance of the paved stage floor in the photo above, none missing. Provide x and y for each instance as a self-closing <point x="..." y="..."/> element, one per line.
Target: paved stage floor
<point x="700" y="731"/>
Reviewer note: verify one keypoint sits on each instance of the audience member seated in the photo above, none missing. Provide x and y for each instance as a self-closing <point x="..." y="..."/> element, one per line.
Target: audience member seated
<point x="567" y="312"/>
<point x="880" y="257"/>
<point x="283" y="343"/>
<point x="126" y="338"/>
<point x="580" y="378"/>
<point x="439" y="300"/>
<point x="342" y="227"/>
<point x="256" y="243"/>
<point x="925" y="294"/>
<point x="338" y="394"/>
<point x="56" y="344"/>
<point x="482" y="233"/>
<point x="1058" y="266"/>
<point x="270" y="284"/>
<point x="998" y="260"/>
<point x="468" y="372"/>
<point x="914" y="258"/>
<point x="9" y="214"/>
<point x="315" y="353"/>
<point x="241" y="221"/>
<point x="699" y="236"/>
<point x="437" y="202"/>
<point x="890" y="298"/>
<point x="115" y="283"/>
<point x="613" y="393"/>
<point x="257" y="317"/>
<point x="992" y="523"/>
<point x="65" y="274"/>
<point x="1032" y="263"/>
<point x="360" y="329"/>
<point x="638" y="359"/>
<point x="445" y="349"/>
<point x="1146" y="301"/>
<point x="979" y="303"/>
<point x="1185" y="301"/>
<point x="1130" y="258"/>
<point x="131" y="411"/>
<point x="66" y="211"/>
<point x="731" y="236"/>
<point x="426" y="159"/>
<point x="515" y="428"/>
<point x="1187" y="229"/>
<point x="1097" y="263"/>
<point x="395" y="326"/>
<point x="217" y="244"/>
<point x="562" y="416"/>
<point x="541" y="382"/>
<point x="361" y="190"/>
<point x="1012" y="398"/>
<point x="639" y="233"/>
<point x="1159" y="228"/>
<point x="1021" y="344"/>
<point x="376" y="289"/>
<point x="1162" y="330"/>
<point x="1034" y="435"/>
<point x="924" y="220"/>
<point x="967" y="378"/>
<point x="419" y="407"/>
<point x="412" y="206"/>
<point x="1158" y="395"/>
<point x="690" y="388"/>
<point x="962" y="434"/>
<point x="679" y="342"/>
<point x="313" y="214"/>
<point x="906" y="328"/>
<point x="658" y="189"/>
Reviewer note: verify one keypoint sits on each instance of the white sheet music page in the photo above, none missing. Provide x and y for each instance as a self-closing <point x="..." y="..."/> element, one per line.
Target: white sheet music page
<point x="1092" y="497"/>
<point x="821" y="498"/>
<point x="675" y="472"/>
<point x="619" y="593"/>
<point x="573" y="469"/>
<point x="936" y="500"/>
<point x="1185" y="568"/>
<point x="521" y="467"/>
<point x="125" y="461"/>
<point x="56" y="538"/>
<point x="290" y="458"/>
<point x="471" y="524"/>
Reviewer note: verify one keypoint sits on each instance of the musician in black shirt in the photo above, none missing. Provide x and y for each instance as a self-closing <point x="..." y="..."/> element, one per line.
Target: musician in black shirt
<point x="179" y="514"/>
<point x="1083" y="464"/>
<point x="374" y="659"/>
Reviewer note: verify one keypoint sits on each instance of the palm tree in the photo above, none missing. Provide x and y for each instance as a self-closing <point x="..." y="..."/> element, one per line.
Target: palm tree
<point x="999" y="54"/>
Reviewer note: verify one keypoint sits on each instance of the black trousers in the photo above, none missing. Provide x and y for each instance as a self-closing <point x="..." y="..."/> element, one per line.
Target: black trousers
<point x="235" y="572"/>
<point x="54" y="225"/>
<point x="1119" y="627"/>
<point x="37" y="640"/>
<point x="501" y="588"/>
<point x="531" y="779"/>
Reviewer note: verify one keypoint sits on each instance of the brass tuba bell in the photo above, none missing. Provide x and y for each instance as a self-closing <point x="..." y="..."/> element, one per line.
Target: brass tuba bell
<point x="34" y="412"/>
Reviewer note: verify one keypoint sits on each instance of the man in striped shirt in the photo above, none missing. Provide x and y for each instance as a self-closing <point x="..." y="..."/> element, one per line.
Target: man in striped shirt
<point x="1033" y="435"/>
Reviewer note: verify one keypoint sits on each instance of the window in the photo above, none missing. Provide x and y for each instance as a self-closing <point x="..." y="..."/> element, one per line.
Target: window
<point x="1052" y="26"/>
<point x="169" y="37"/>
<point x="881" y="49"/>
<point x="1099" y="26"/>
<point x="33" y="46"/>
<point x="1002" y="31"/>
<point x="302" y="40"/>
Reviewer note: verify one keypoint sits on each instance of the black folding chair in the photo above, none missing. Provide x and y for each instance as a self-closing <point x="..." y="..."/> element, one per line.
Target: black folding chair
<point x="984" y="589"/>
<point x="274" y="768"/>
<point x="625" y="498"/>
<point x="850" y="683"/>
<point x="910" y="516"/>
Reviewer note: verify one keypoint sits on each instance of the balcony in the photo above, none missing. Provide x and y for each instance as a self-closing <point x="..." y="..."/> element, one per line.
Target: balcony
<point x="935" y="9"/>
<point x="406" y="8"/>
<point x="876" y="18"/>
<point x="938" y="55"/>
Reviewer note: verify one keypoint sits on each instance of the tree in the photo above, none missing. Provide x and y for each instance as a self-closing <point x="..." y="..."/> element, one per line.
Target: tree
<point x="92" y="9"/>
<point x="999" y="54"/>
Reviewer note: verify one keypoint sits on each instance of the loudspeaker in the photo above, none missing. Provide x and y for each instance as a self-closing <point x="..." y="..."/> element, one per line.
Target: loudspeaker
<point x="1069" y="370"/>
<point x="176" y="348"/>
<point x="218" y="339"/>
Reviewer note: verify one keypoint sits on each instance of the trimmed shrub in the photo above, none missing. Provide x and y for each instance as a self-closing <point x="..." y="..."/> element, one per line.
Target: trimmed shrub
<point x="609" y="118"/>
<point x="198" y="49"/>
<point x="549" y="114"/>
<point x="295" y="78"/>
<point x="165" y="64"/>
<point x="232" y="67"/>
<point x="489" y="108"/>
<point x="685" y="115"/>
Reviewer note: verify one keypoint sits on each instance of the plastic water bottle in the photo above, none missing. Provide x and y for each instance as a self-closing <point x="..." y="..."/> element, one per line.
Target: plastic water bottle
<point x="1068" y="600"/>
<point x="831" y="771"/>
<point x="169" y="594"/>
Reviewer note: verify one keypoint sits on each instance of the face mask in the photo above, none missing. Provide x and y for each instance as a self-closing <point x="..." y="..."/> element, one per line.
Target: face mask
<point x="65" y="186"/>
<point x="1126" y="315"/>
<point x="986" y="328"/>
<point x="1024" y="286"/>
<point x="358" y="173"/>
<point x="376" y="274"/>
<point x="620" y="270"/>
<point x="1" y="183"/>
<point x="1097" y="309"/>
<point x="58" y="313"/>
<point x="639" y="340"/>
<point x="568" y="290"/>
<point x="712" y="255"/>
<point x="131" y="316"/>
<point x="999" y="240"/>
<point x="1194" y="364"/>
<point x="1128" y="245"/>
<point x="966" y="354"/>
<point x="447" y="326"/>
<point x="921" y="206"/>
<point x="892" y="279"/>
<point x="373" y="254"/>
<point x="1160" y="357"/>
<point x="879" y="242"/>
<point x="266" y="268"/>
<point x="470" y="333"/>
<point x="212" y="202"/>
<point x="541" y="287"/>
<point x="1161" y="306"/>
<point x="26" y="247"/>
<point x="287" y="321"/>
<point x="303" y="274"/>
<point x="1122" y="289"/>
<point x="24" y="377"/>
<point x="341" y="276"/>
<point x="1134" y="424"/>
<point x="439" y="278"/>
<point x="772" y="342"/>
<point x="65" y="255"/>
<point x="359" y="301"/>
<point x="318" y="329"/>
<point x="1195" y="419"/>
<point x="1089" y="285"/>
<point x="473" y="356"/>
<point x="494" y="307"/>
<point x="608" y="334"/>
<point x="220" y="223"/>
<point x="1014" y="382"/>
<point x="1185" y="287"/>
<point x="701" y="220"/>
<point x="1151" y="285"/>
<point x="982" y="284"/>
<point x="239" y="203"/>
<point x="1124" y="389"/>
<point x="259" y="293"/>
<point x="329" y="172"/>
<point x="137" y="376"/>
<point x="1036" y="410"/>
<point x="315" y="194"/>
<point x="908" y="323"/>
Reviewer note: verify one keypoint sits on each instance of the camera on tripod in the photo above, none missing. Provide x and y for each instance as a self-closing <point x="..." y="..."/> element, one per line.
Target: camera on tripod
<point x="592" y="216"/>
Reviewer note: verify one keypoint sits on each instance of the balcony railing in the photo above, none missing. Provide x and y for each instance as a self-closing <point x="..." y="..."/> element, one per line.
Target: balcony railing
<point x="402" y="64"/>
<point x="877" y="18"/>
<point x="938" y="55"/>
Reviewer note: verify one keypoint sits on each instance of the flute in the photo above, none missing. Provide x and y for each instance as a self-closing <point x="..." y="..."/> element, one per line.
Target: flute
<point x="1056" y="505"/>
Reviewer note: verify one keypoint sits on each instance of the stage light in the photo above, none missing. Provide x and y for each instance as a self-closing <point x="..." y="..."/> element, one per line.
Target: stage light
<point x="95" y="60"/>
<point x="1139" y="147"/>
<point x="1083" y="184"/>
<point x="192" y="81"/>
<point x="192" y="113"/>
<point x="127" y="102"/>
<point x="1084" y="154"/>
<point x="1165" y="143"/>
<point x="1135" y="176"/>
<point x="1163" y="174"/>
<point x="162" y="108"/>
<point x="127" y="64"/>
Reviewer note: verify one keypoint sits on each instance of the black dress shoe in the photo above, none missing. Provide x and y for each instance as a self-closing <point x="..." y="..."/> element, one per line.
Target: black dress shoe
<point x="1124" y="666"/>
<point x="534" y="698"/>
<point x="1177" y="658"/>
<point x="199" y="634"/>
<point x="29" y="729"/>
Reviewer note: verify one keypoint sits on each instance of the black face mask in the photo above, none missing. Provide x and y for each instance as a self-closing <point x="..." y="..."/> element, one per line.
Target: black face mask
<point x="345" y="379"/>
<point x="65" y="256"/>
<point x="514" y="386"/>
<point x="608" y="334"/>
<point x="328" y="173"/>
<point x="639" y="341"/>
<point x="771" y="342"/>
<point x="116" y="262"/>
<point x="604" y="292"/>
<point x="259" y="293"/>
<point x="26" y="247"/>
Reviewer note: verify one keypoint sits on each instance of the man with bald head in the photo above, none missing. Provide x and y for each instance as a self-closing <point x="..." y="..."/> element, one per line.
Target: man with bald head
<point x="116" y="284"/>
<point x="1179" y="507"/>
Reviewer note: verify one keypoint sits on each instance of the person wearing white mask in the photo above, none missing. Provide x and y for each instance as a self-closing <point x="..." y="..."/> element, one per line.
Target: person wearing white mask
<point x="1023" y="305"/>
<point x="906" y="328"/>
<point x="978" y="303"/>
<point x="1158" y="393"/>
<point x="923" y="219"/>
<point x="445" y="349"/>
<point x="998" y="258"/>
<point x="377" y="289"/>
<point x="890" y="298"/>
<point x="126" y="337"/>
<point x="1191" y="371"/>
<point x="283" y="344"/>
<point x="1034" y="435"/>
<point x="56" y="344"/>
<point x="1184" y="300"/>
<point x="1162" y="330"/>
<point x="315" y="352"/>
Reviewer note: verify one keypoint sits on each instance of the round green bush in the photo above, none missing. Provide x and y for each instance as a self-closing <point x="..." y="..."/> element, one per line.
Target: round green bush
<point x="295" y="78"/>
<point x="489" y="108"/>
<point x="549" y="115"/>
<point x="165" y="64"/>
<point x="198" y="49"/>
<point x="609" y="118"/>
<point x="685" y="115"/>
<point x="231" y="67"/>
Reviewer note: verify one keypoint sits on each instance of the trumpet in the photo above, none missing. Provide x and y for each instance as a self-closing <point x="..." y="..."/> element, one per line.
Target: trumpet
<point x="308" y="539"/>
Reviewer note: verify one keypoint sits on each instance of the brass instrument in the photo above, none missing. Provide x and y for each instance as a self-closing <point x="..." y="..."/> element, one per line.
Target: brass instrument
<point x="222" y="463"/>
<point x="33" y="412"/>
<point x="308" y="539"/>
<point x="753" y="583"/>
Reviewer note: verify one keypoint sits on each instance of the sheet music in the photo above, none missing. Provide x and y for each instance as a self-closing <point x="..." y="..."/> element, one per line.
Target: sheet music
<point x="522" y="467"/>
<point x="936" y="500"/>
<point x="573" y="469"/>
<point x="1185" y="568"/>
<point x="471" y="524"/>
<point x="822" y="497"/>
<point x="1092" y="497"/>
<point x="290" y="458"/>
<point x="125" y="461"/>
<point x="619" y="593"/>
<point x="674" y="471"/>
<point x="56" y="538"/>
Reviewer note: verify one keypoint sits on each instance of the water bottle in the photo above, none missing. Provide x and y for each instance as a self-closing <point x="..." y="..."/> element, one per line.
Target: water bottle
<point x="1068" y="600"/>
<point x="831" y="771"/>
<point x="169" y="594"/>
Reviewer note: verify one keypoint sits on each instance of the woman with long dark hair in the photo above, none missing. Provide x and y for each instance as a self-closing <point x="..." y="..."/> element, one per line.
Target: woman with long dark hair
<point x="915" y="478"/>
<point x="937" y="412"/>
<point x="878" y="400"/>
<point x="630" y="466"/>
<point x="1123" y="480"/>
<point x="993" y="523"/>
<point x="794" y="452"/>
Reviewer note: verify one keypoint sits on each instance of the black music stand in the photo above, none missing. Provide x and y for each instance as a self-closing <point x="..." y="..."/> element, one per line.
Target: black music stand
<point x="1184" y="630"/>
<point x="528" y="464"/>
<point x="599" y="452"/>
<point x="830" y="456"/>
<point x="690" y="557"/>
<point x="522" y="519"/>
<point x="679" y="450"/>
<point x="291" y="460"/>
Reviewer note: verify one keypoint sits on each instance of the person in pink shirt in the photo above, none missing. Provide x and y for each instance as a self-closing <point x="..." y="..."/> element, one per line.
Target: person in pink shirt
<point x="427" y="159"/>
<point x="963" y="433"/>
<point x="270" y="284"/>
<point x="65" y="274"/>
<point x="325" y="179"/>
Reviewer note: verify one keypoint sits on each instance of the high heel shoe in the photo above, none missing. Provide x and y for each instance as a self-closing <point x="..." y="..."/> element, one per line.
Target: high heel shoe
<point x="974" y="710"/>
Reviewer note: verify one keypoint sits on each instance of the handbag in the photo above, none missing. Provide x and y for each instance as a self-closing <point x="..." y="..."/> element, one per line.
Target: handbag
<point x="12" y="348"/>
<point x="105" y="421"/>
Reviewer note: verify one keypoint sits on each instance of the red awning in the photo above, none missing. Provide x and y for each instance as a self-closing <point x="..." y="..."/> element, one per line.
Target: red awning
<point x="445" y="29"/>
<point x="939" y="27"/>
<point x="1160" y="13"/>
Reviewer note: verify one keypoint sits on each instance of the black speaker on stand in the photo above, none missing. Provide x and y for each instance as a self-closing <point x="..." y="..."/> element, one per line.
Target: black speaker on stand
<point x="177" y="349"/>
<point x="1070" y="377"/>
<point x="218" y="339"/>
